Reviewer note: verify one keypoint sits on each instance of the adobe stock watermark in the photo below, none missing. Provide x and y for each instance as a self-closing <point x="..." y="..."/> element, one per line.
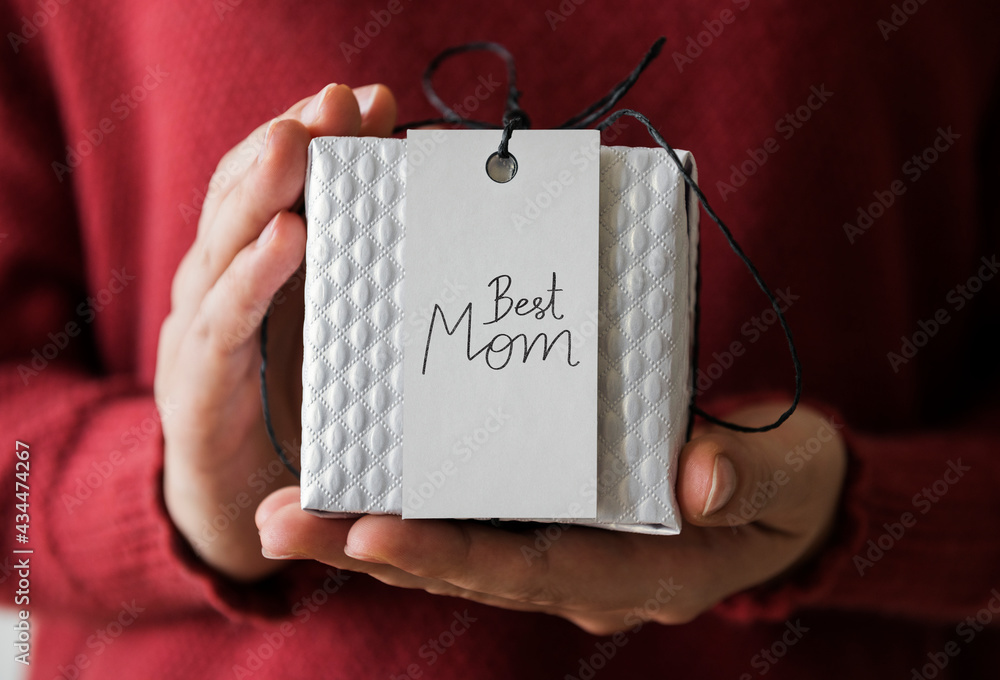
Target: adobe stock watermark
<point x="786" y="127"/>
<point x="956" y="299"/>
<point x="224" y="7"/>
<point x="100" y="471"/>
<point x="545" y="195"/>
<point x="101" y="639"/>
<point x="795" y="461"/>
<point x="545" y="537"/>
<point x="609" y="475"/>
<point x="695" y="45"/>
<point x="900" y="14"/>
<point x="549" y="191"/>
<point x="563" y="11"/>
<point x="419" y="150"/>
<point x="250" y="324"/>
<point x="753" y="330"/>
<point x="764" y="660"/>
<point x="968" y="630"/>
<point x="86" y="312"/>
<point x="605" y="650"/>
<point x="225" y="173"/>
<point x="922" y="502"/>
<point x="451" y="292"/>
<point x="665" y="592"/>
<point x="258" y="483"/>
<point x="912" y="170"/>
<point x="32" y="26"/>
<point x="462" y="451"/>
<point x="486" y="86"/>
<point x="435" y="647"/>
<point x="121" y="108"/>
<point x="303" y="610"/>
<point x="365" y="33"/>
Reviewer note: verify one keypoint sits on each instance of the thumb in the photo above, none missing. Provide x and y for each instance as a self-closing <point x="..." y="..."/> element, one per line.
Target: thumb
<point x="730" y="480"/>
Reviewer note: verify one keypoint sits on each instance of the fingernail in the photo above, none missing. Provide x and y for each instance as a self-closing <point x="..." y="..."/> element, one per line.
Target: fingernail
<point x="723" y="485"/>
<point x="268" y="134"/>
<point x="271" y="556"/>
<point x="268" y="234"/>
<point x="361" y="555"/>
<point x="311" y="110"/>
<point x="365" y="96"/>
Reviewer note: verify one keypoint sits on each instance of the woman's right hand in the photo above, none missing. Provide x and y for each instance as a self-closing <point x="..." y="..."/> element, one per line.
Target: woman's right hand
<point x="247" y="247"/>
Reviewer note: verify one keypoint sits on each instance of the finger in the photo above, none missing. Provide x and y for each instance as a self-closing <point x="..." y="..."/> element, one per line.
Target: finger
<point x="707" y="480"/>
<point x="235" y="163"/>
<point x="393" y="576"/>
<point x="727" y="479"/>
<point x="282" y="524"/>
<point x="229" y="317"/>
<point x="274" y="179"/>
<point x="288" y="495"/>
<point x="327" y="113"/>
<point x="573" y="572"/>
<point x="322" y="114"/>
<point x="272" y="186"/>
<point x="378" y="110"/>
<point x="621" y="578"/>
<point x="593" y="577"/>
<point x="274" y="183"/>
<point x="288" y="532"/>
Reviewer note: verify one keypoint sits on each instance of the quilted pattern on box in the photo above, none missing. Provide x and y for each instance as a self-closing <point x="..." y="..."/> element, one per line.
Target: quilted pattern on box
<point x="352" y="438"/>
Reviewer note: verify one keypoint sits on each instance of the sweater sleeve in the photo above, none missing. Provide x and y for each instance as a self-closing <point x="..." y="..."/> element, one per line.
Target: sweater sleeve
<point x="916" y="531"/>
<point x="919" y="516"/>
<point x="97" y="528"/>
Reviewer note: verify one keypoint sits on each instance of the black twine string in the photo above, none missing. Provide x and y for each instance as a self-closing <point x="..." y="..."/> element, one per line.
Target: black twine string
<point x="658" y="138"/>
<point x="515" y="118"/>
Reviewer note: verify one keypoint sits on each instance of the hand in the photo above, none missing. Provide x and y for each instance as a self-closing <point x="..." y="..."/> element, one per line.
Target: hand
<point x="249" y="244"/>
<point x="754" y="507"/>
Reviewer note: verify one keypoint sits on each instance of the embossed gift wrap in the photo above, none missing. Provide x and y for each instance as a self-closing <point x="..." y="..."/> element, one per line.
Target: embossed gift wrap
<point x="354" y="334"/>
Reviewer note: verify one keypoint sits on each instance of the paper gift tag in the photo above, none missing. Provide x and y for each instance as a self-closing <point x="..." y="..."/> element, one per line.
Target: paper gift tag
<point x="501" y="403"/>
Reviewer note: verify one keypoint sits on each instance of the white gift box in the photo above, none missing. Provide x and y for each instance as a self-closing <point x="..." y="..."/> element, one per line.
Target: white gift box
<point x="353" y="394"/>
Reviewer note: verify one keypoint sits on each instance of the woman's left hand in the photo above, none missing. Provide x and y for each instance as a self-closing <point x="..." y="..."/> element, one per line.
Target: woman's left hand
<point x="754" y="507"/>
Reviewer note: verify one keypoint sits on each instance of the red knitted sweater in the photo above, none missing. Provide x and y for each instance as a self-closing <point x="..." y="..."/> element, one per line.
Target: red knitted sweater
<point x="852" y="146"/>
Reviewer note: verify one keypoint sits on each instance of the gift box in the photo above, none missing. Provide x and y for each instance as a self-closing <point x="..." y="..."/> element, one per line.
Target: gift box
<point x="353" y="442"/>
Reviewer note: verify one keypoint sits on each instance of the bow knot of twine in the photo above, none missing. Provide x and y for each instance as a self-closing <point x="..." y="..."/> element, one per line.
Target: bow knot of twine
<point x="515" y="118"/>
